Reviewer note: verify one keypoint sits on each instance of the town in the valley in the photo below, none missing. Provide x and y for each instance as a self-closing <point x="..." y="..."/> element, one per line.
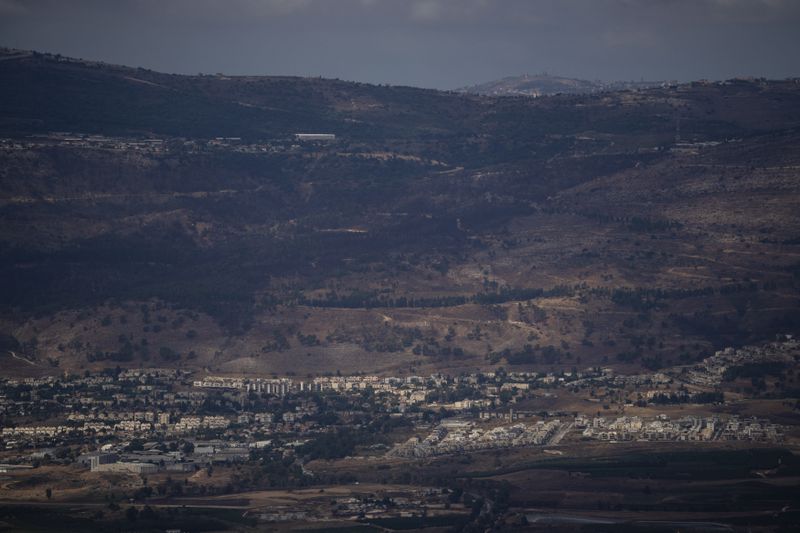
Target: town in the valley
<point x="149" y="420"/>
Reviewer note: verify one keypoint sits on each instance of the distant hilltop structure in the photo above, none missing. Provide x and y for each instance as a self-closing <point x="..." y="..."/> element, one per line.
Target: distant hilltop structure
<point x="315" y="136"/>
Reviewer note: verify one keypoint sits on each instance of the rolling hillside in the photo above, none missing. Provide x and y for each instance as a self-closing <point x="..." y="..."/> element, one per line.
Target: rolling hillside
<point x="156" y="219"/>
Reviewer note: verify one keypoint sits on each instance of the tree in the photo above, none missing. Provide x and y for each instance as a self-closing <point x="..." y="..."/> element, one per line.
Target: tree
<point x="168" y="354"/>
<point x="132" y="514"/>
<point x="148" y="513"/>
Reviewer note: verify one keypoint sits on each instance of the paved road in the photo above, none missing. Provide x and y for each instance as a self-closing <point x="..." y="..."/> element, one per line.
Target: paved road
<point x="175" y="503"/>
<point x="21" y="55"/>
<point x="560" y="434"/>
<point x="15" y="356"/>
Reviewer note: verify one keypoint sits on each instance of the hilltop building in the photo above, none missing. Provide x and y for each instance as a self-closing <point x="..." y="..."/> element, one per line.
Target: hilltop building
<point x="315" y="136"/>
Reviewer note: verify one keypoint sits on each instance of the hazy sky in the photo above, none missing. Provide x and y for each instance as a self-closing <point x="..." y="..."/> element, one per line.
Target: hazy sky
<point x="431" y="43"/>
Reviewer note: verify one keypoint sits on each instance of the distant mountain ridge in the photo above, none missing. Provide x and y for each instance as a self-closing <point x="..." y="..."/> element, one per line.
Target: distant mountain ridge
<point x="545" y="84"/>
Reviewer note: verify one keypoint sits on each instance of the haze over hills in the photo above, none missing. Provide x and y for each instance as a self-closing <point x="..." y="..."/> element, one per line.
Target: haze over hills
<point x="546" y="85"/>
<point x="162" y="220"/>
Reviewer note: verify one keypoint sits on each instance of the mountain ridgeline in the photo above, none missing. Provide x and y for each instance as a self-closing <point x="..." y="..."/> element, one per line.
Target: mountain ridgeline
<point x="161" y="219"/>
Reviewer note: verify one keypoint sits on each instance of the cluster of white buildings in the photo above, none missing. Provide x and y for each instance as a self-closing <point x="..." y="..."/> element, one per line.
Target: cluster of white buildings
<point x="407" y="390"/>
<point x="87" y="428"/>
<point x="133" y="424"/>
<point x="751" y="429"/>
<point x="188" y="424"/>
<point x="108" y="462"/>
<point x="711" y="371"/>
<point x="88" y="141"/>
<point x="463" y="436"/>
<point x="688" y="428"/>
<point x="143" y="416"/>
<point x="35" y="431"/>
<point x="279" y="387"/>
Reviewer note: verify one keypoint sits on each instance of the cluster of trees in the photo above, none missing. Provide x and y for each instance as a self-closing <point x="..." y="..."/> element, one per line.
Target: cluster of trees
<point x="374" y="299"/>
<point x="307" y="340"/>
<point x="275" y="471"/>
<point x="335" y="444"/>
<point x="279" y="343"/>
<point x="636" y="223"/>
<point x="754" y="370"/>
<point x="433" y="349"/>
<point x="462" y="392"/>
<point x="380" y="339"/>
<point x="644" y="299"/>
<point x="678" y="398"/>
<point x="122" y="356"/>
<point x="343" y="441"/>
<point x="530" y="355"/>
